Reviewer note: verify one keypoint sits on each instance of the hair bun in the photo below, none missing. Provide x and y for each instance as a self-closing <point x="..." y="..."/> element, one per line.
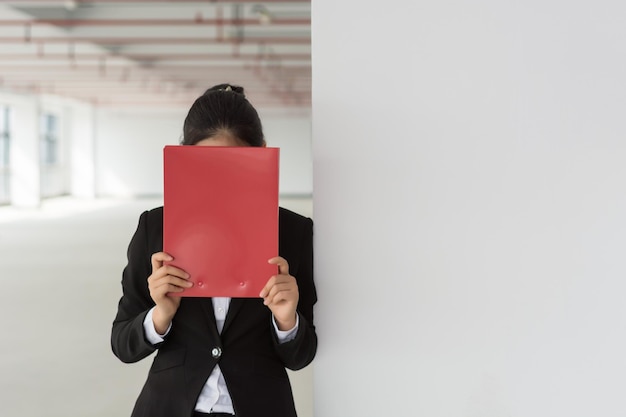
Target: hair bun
<point x="226" y="87"/>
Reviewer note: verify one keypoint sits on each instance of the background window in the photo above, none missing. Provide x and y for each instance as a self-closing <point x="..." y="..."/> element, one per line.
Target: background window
<point x="49" y="139"/>
<point x="5" y="149"/>
<point x="4" y="136"/>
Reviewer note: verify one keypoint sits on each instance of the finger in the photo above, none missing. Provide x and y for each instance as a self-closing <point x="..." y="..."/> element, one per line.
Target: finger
<point x="268" y="286"/>
<point x="166" y="289"/>
<point x="279" y="292"/>
<point x="280" y="297"/>
<point x="283" y="265"/>
<point x="158" y="258"/>
<point x="166" y="270"/>
<point x="179" y="282"/>
<point x="174" y="271"/>
<point x="277" y="279"/>
<point x="162" y="290"/>
<point x="282" y="290"/>
<point x="172" y="279"/>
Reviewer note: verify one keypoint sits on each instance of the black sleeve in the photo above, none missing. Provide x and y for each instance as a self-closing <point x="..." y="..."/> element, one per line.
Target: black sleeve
<point x="299" y="352"/>
<point x="127" y="336"/>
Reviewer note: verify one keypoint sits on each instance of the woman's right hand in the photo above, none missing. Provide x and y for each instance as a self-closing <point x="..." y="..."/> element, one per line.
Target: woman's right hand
<point x="163" y="280"/>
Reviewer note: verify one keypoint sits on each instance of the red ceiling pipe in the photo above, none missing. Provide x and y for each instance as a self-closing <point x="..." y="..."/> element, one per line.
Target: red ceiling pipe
<point x="92" y="2"/>
<point x="165" y="41"/>
<point x="304" y="68"/>
<point x="95" y="2"/>
<point x="154" y="57"/>
<point x="152" y="22"/>
<point x="220" y="24"/>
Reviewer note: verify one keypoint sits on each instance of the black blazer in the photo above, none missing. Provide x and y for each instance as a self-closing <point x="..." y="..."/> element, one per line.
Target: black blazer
<point x="251" y="359"/>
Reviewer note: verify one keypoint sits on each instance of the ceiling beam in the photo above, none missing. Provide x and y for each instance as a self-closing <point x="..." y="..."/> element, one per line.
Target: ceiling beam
<point x="147" y="41"/>
<point x="65" y="3"/>
<point x="156" y="57"/>
<point x="155" y="22"/>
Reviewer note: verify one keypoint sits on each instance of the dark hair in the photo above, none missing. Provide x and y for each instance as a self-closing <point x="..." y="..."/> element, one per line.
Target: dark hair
<point x="223" y="109"/>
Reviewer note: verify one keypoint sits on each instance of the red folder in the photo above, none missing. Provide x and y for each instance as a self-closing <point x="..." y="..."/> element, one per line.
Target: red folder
<point x="220" y="217"/>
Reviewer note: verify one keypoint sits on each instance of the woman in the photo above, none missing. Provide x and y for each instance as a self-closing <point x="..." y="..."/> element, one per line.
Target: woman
<point x="217" y="356"/>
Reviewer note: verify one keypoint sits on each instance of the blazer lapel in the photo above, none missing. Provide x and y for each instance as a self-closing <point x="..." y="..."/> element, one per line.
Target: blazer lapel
<point x="233" y="308"/>
<point x="209" y="314"/>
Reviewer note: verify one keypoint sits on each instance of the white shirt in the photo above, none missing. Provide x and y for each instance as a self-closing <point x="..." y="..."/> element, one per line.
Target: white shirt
<point x="214" y="396"/>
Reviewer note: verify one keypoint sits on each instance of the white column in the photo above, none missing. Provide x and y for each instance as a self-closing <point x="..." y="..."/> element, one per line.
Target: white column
<point x="82" y="150"/>
<point x="25" y="144"/>
<point x="469" y="198"/>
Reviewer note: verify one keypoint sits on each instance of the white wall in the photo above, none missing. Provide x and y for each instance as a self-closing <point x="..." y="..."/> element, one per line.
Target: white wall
<point x="82" y="151"/>
<point x="25" y="169"/>
<point x="292" y="134"/>
<point x="469" y="202"/>
<point x="129" y="150"/>
<point x="130" y="145"/>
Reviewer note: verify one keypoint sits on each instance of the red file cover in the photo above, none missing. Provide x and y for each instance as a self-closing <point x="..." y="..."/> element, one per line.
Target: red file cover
<point x="220" y="217"/>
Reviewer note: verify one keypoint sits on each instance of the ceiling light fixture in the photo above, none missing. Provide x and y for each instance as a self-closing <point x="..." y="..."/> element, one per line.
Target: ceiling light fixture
<point x="70" y="5"/>
<point x="265" y="17"/>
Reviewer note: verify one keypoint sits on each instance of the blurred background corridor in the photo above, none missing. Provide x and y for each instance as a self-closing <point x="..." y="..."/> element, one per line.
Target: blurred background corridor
<point x="90" y="93"/>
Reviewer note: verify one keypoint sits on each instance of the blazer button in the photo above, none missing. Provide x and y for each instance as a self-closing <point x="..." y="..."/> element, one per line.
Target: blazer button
<point x="216" y="352"/>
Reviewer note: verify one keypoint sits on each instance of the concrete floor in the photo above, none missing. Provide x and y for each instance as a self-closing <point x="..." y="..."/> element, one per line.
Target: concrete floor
<point x="61" y="270"/>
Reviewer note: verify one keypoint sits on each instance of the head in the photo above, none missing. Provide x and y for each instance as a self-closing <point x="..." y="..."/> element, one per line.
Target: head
<point x="223" y="116"/>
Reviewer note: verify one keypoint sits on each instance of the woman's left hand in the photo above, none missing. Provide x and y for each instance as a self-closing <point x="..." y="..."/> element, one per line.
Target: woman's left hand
<point x="281" y="295"/>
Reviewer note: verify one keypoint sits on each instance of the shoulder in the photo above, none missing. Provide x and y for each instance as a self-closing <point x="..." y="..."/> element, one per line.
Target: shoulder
<point x="295" y="243"/>
<point x="156" y="214"/>
<point x="151" y="225"/>
<point x="291" y="217"/>
<point x="293" y="228"/>
<point x="151" y="217"/>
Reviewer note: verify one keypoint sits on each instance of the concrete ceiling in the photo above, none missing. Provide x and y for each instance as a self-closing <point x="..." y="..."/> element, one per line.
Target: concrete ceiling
<point x="143" y="53"/>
